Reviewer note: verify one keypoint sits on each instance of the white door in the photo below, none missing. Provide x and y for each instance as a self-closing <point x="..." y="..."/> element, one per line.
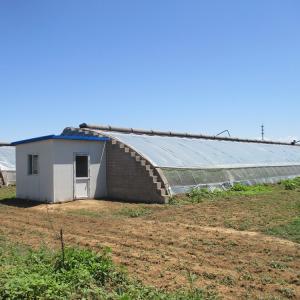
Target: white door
<point x="81" y="176"/>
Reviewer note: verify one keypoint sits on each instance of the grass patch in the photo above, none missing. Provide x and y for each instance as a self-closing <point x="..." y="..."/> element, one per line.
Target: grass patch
<point x="8" y="192"/>
<point x="290" y="230"/>
<point x="86" y="213"/>
<point x="270" y="209"/>
<point x="197" y="195"/>
<point x="83" y="274"/>
<point x="134" y="212"/>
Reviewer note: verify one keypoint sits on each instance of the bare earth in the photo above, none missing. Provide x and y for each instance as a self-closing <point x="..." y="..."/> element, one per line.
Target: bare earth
<point x="162" y="246"/>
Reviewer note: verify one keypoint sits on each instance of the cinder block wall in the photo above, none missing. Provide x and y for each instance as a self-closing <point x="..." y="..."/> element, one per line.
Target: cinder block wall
<point x="127" y="179"/>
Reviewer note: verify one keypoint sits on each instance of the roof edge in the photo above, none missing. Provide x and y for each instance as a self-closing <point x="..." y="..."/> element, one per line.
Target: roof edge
<point x="180" y="134"/>
<point x="60" y="137"/>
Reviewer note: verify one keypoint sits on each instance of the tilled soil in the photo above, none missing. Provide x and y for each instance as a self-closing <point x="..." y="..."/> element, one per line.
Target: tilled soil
<point x="162" y="249"/>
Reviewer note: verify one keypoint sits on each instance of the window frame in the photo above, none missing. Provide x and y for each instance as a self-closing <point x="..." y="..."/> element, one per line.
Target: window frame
<point x="33" y="164"/>
<point x="88" y="164"/>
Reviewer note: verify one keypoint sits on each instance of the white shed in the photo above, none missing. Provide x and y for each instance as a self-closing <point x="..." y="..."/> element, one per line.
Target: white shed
<point x="61" y="168"/>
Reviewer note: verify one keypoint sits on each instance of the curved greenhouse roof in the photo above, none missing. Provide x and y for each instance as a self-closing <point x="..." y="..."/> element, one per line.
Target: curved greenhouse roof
<point x="177" y="152"/>
<point x="185" y="161"/>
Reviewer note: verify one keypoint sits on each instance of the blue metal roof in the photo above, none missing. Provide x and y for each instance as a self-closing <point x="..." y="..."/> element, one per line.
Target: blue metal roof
<point x="61" y="137"/>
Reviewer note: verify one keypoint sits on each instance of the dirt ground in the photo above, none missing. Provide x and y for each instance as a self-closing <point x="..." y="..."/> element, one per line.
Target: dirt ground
<point x="161" y="245"/>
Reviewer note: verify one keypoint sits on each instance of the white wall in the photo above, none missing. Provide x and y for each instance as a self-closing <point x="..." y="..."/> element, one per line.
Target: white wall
<point x="63" y="151"/>
<point x="35" y="187"/>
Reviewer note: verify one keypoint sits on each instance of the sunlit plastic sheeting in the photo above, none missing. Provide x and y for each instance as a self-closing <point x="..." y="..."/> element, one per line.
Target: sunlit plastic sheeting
<point x="9" y="177"/>
<point x="7" y="158"/>
<point x="177" y="152"/>
<point x="182" y="180"/>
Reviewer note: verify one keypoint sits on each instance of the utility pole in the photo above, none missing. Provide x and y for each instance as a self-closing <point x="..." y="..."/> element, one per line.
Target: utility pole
<point x="262" y="132"/>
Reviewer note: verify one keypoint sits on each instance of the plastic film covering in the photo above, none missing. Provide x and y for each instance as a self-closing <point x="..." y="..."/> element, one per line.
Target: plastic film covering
<point x="7" y="158"/>
<point x="9" y="177"/>
<point x="175" y="152"/>
<point x="182" y="180"/>
<point x="190" y="162"/>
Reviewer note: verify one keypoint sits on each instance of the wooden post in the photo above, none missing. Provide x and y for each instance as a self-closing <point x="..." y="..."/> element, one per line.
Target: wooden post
<point x="62" y="246"/>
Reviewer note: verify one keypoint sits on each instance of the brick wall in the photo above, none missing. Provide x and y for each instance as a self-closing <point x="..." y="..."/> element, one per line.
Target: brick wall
<point x="127" y="179"/>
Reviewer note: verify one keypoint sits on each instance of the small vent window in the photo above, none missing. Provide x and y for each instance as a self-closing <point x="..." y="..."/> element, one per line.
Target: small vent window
<point x="33" y="164"/>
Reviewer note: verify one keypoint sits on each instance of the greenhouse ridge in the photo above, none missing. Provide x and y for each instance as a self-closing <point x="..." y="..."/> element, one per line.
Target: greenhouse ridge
<point x="180" y="134"/>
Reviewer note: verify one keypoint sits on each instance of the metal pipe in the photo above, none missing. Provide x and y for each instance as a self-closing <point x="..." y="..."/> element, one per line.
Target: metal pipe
<point x="223" y="132"/>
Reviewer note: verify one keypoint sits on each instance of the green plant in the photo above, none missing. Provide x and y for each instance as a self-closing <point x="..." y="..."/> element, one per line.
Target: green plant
<point x="247" y="276"/>
<point x="291" y="184"/>
<point x="86" y="213"/>
<point x="81" y="274"/>
<point x="238" y="187"/>
<point x="198" y="195"/>
<point x="191" y="279"/>
<point x="228" y="280"/>
<point x="210" y="276"/>
<point x="287" y="292"/>
<point x="278" y="265"/>
<point x="289" y="230"/>
<point x="134" y="212"/>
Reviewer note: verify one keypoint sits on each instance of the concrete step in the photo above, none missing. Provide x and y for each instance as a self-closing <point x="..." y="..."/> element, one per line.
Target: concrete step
<point x="158" y="185"/>
<point x="151" y="173"/>
<point x="163" y="192"/>
<point x="154" y="178"/>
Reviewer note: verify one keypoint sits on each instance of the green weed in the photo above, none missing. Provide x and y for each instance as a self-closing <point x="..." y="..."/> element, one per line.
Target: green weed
<point x="85" y="212"/>
<point x="228" y="280"/>
<point x="134" y="212"/>
<point x="83" y="274"/>
<point x="291" y="184"/>
<point x="290" y="230"/>
<point x="198" y="195"/>
<point x="278" y="265"/>
<point x="287" y="292"/>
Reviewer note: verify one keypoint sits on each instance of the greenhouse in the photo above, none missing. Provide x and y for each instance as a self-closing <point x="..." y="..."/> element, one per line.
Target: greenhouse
<point x="177" y="162"/>
<point x="103" y="162"/>
<point x="7" y="164"/>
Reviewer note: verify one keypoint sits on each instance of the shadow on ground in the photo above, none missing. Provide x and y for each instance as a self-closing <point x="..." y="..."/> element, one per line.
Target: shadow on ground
<point x="19" y="202"/>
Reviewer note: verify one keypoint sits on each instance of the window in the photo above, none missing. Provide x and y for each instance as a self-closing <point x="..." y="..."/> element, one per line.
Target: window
<point x="33" y="164"/>
<point x="82" y="169"/>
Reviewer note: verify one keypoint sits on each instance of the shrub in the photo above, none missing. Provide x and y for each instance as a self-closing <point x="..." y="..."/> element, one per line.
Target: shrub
<point x="291" y="184"/>
<point x="238" y="187"/>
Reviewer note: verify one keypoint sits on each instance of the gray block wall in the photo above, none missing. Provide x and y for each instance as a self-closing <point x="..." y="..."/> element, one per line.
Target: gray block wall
<point x="128" y="179"/>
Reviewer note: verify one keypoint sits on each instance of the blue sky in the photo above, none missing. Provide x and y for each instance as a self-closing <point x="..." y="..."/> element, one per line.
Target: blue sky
<point x="196" y="66"/>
